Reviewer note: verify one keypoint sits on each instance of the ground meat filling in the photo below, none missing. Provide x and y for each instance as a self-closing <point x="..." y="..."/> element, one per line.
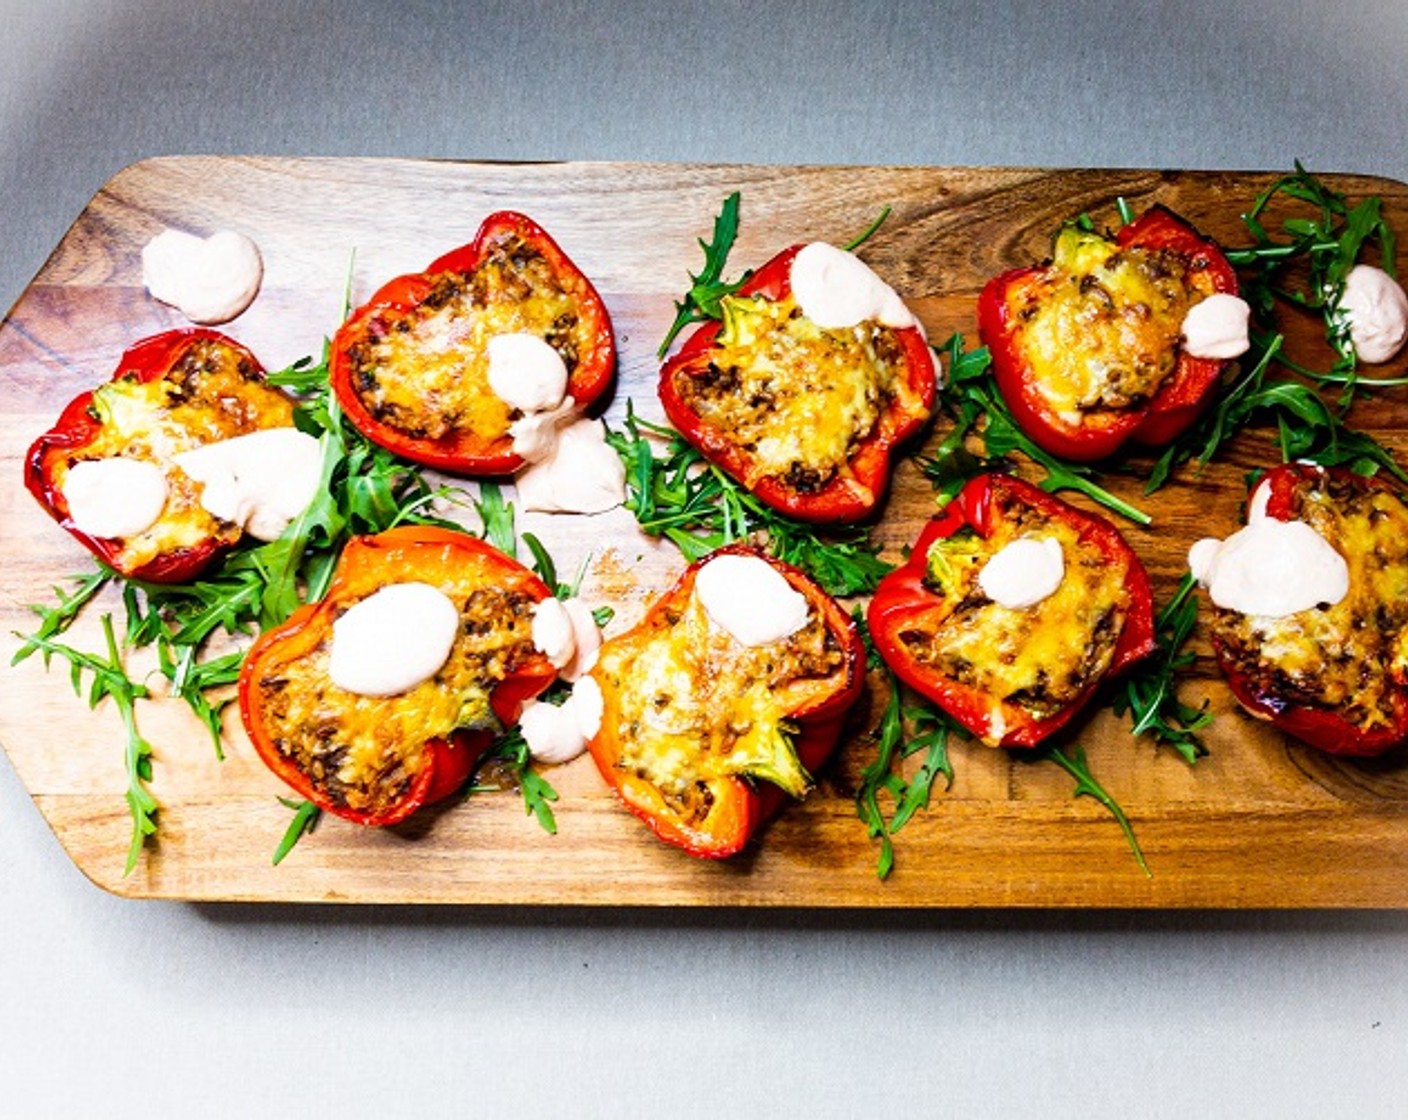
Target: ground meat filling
<point x="1040" y="658"/>
<point x="796" y="398"/>
<point x="425" y="371"/>
<point x="364" y="752"/>
<point x="1348" y="658"/>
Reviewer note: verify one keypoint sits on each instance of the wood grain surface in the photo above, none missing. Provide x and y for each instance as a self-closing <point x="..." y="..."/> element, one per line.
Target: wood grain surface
<point x="1260" y="822"/>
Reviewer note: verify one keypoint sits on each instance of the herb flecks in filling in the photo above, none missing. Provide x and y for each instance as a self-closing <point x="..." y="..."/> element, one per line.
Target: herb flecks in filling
<point x="696" y="706"/>
<point x="425" y="371"/>
<point x="212" y="392"/>
<point x="364" y="752"/>
<point x="1350" y="657"/>
<point x="796" y="397"/>
<point x="1100" y="325"/>
<point x="1038" y="658"/>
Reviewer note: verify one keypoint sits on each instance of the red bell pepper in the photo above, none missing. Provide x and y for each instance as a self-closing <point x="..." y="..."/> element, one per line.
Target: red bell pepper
<point x="1085" y="348"/>
<point x="1335" y="677"/>
<point x="375" y="760"/>
<point x="704" y="738"/>
<point x="1012" y="675"/>
<point x="844" y="491"/>
<point x="435" y="405"/>
<point x="170" y="393"/>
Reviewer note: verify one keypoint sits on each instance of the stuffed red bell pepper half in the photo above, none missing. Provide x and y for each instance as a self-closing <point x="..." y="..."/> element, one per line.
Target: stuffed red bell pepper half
<point x="804" y="387"/>
<point x="1114" y="338"/>
<point x="725" y="699"/>
<point x="466" y="364"/>
<point x="1012" y="608"/>
<point x="1310" y="607"/>
<point x="164" y="467"/>
<point x="383" y="696"/>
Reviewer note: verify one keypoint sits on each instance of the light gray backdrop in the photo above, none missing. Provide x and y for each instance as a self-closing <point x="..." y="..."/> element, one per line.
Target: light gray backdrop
<point x="111" y="1008"/>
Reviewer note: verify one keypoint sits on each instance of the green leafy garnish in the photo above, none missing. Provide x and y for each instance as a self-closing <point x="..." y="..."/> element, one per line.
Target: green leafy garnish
<point x="867" y="233"/>
<point x="1329" y="243"/>
<point x="708" y="287"/>
<point x="53" y="621"/>
<point x="511" y="751"/>
<point x="1307" y="426"/>
<point x="306" y="816"/>
<point x="1086" y="786"/>
<point x="110" y="679"/>
<point x="497" y="517"/>
<point x="971" y="397"/>
<point x="680" y="495"/>
<point x="1148" y="691"/>
<point x="902" y="731"/>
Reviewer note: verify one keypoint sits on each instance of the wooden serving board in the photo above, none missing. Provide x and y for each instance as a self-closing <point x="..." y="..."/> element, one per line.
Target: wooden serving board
<point x="1260" y="822"/>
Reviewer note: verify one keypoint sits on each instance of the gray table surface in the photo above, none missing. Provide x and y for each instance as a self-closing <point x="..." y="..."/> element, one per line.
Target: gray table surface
<point x="113" y="1008"/>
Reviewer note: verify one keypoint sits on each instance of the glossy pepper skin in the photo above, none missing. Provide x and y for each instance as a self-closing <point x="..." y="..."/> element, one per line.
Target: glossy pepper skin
<point x="1272" y="695"/>
<point x="405" y="554"/>
<point x="904" y="601"/>
<point x="79" y="426"/>
<point x="738" y="805"/>
<point x="461" y="451"/>
<point x="1097" y="434"/>
<point x="839" y="500"/>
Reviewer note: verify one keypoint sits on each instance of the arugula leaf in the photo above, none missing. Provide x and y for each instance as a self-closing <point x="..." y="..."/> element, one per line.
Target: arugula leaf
<point x="497" y="517"/>
<point x="1307" y="426"/>
<point x="707" y="287"/>
<point x="306" y="816"/>
<point x="1086" y="786"/>
<point x="867" y="233"/>
<point x="511" y="751"/>
<point x="1330" y="243"/>
<point x="1148" y="690"/>
<point x="110" y="679"/>
<point x="680" y="495"/>
<point x="972" y="399"/>
<point x="880" y="779"/>
<point x="53" y="621"/>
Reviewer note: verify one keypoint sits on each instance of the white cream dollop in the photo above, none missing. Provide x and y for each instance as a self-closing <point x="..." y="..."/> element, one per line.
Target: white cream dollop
<point x="559" y="733"/>
<point x="1217" y="327"/>
<point x="750" y="599"/>
<point x="393" y="639"/>
<point x="526" y="373"/>
<point x="114" y="497"/>
<point x="565" y="632"/>
<point x="1269" y="568"/>
<point x="579" y="474"/>
<point x="208" y="279"/>
<point x="1375" y="308"/>
<point x="836" y="289"/>
<point x="1024" y="572"/>
<point x="260" y="481"/>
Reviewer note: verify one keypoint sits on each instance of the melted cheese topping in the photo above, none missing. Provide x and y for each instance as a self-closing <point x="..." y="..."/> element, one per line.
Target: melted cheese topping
<point x="365" y="751"/>
<point x="211" y="394"/>
<point x="1345" y="656"/>
<point x="693" y="705"/>
<point x="425" y="371"/>
<point x="797" y="397"/>
<point x="1037" y="658"/>
<point x="1100" y="326"/>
